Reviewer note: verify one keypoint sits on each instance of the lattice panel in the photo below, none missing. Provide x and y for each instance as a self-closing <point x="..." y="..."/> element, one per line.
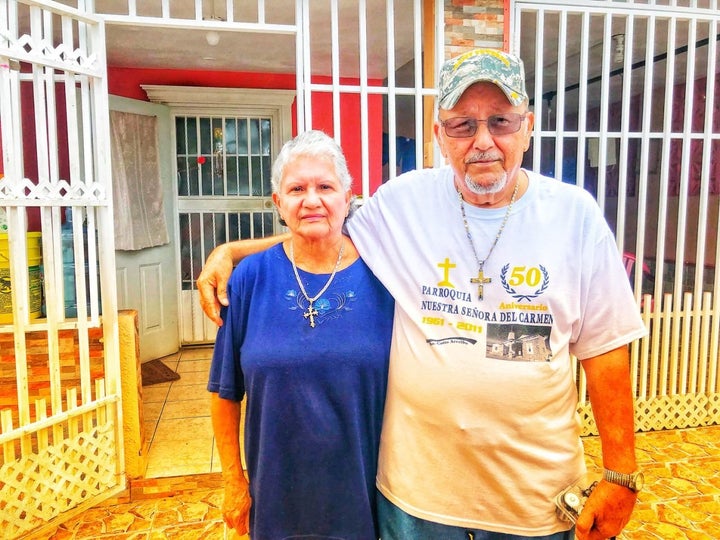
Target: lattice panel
<point x="73" y="59"/>
<point x="713" y="410"/>
<point x="674" y="412"/>
<point x="587" y="420"/>
<point x="39" y="487"/>
<point x="78" y="193"/>
<point x="39" y="49"/>
<point x="664" y="412"/>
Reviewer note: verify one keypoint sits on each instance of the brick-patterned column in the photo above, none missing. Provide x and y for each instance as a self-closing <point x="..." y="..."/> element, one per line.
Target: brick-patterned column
<point x="470" y="24"/>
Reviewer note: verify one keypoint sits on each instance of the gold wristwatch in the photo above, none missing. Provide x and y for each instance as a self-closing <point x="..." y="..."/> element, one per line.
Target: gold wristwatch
<point x="633" y="481"/>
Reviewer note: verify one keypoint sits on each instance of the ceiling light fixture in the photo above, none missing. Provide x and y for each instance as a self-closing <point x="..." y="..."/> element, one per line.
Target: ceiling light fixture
<point x="212" y="37"/>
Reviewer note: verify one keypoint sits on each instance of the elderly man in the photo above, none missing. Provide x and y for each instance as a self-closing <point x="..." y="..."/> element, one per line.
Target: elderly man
<point x="499" y="276"/>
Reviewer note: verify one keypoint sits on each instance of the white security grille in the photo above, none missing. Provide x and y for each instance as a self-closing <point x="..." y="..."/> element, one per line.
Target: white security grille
<point x="627" y="103"/>
<point x="401" y="81"/>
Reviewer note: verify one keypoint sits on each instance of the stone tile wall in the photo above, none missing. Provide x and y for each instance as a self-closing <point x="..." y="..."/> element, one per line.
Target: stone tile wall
<point x="470" y="24"/>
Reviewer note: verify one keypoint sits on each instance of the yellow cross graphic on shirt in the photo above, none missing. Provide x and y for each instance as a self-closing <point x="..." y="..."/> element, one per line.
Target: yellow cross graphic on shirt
<point x="446" y="265"/>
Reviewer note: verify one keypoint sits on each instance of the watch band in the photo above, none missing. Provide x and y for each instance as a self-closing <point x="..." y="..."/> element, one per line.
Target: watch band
<point x="631" y="481"/>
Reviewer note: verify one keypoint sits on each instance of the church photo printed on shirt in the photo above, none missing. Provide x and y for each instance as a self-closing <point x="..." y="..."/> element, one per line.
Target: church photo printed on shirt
<point x="524" y="343"/>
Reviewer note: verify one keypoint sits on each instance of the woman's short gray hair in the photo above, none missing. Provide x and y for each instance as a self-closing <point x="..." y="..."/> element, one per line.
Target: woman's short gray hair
<point x="313" y="143"/>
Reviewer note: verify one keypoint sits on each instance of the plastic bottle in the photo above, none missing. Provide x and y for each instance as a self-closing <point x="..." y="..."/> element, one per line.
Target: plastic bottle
<point x="68" y="257"/>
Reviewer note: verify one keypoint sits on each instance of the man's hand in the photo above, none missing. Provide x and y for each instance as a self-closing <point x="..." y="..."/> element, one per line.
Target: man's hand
<point x="606" y="512"/>
<point x="212" y="282"/>
<point x="236" y="507"/>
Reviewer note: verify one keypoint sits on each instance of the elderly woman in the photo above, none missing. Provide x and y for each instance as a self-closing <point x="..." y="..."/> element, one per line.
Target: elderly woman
<point x="307" y="339"/>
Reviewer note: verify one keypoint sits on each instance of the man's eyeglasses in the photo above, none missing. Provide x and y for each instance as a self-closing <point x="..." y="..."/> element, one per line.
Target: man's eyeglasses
<point x="497" y="124"/>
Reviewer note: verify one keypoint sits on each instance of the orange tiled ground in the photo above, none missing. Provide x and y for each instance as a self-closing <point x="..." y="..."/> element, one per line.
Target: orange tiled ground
<point x="682" y="475"/>
<point x="681" y="499"/>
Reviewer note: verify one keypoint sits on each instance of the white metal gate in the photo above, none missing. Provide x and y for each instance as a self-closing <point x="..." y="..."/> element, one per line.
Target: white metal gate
<point x="627" y="103"/>
<point x="223" y="192"/>
<point x="61" y="434"/>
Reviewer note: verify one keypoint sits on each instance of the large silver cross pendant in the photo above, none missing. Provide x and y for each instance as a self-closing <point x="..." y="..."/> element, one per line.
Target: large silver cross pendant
<point x="310" y="314"/>
<point x="480" y="280"/>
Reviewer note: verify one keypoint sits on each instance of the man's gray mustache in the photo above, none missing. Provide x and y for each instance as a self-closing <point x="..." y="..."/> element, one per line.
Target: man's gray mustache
<point x="482" y="157"/>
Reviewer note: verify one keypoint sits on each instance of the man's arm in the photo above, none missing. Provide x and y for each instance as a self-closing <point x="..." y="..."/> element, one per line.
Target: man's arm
<point x="212" y="281"/>
<point x="610" y="390"/>
<point x="226" y="427"/>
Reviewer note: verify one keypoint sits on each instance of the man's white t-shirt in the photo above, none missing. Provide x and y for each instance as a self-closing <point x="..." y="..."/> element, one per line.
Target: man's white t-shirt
<point x="481" y="427"/>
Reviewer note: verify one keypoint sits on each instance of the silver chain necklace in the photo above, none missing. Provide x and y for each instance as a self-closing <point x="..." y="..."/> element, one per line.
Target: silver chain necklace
<point x="311" y="311"/>
<point x="481" y="280"/>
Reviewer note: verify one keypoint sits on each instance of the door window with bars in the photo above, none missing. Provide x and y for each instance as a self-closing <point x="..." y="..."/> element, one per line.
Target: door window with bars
<point x="219" y="157"/>
<point x="223" y="185"/>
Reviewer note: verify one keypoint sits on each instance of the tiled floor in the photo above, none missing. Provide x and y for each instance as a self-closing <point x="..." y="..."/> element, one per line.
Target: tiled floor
<point x="681" y="499"/>
<point x="181" y="497"/>
<point x="177" y="418"/>
<point x="682" y="494"/>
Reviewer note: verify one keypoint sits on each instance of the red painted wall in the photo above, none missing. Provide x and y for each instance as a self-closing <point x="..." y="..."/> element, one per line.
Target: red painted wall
<point x="126" y="82"/>
<point x="31" y="144"/>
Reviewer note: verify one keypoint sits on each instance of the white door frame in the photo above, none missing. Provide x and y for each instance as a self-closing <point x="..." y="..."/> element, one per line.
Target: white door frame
<point x="195" y="327"/>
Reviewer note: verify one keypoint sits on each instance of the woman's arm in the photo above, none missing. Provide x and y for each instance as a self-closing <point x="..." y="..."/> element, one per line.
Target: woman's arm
<point x="226" y="427"/>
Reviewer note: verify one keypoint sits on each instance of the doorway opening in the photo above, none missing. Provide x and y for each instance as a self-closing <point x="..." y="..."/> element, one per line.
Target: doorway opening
<point x="177" y="418"/>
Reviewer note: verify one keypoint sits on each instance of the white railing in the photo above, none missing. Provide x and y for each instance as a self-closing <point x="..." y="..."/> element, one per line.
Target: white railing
<point x="674" y="369"/>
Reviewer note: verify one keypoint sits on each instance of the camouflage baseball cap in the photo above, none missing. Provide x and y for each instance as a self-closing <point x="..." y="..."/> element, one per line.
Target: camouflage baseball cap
<point x="500" y="68"/>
